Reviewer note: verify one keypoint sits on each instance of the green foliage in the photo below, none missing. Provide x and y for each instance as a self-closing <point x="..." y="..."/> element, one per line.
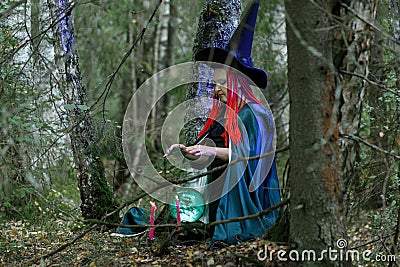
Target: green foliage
<point x="26" y="134"/>
<point x="12" y="124"/>
<point x="20" y="199"/>
<point x="386" y="220"/>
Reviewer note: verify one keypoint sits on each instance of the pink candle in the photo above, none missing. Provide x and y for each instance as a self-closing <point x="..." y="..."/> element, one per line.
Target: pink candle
<point x="178" y="212"/>
<point x="152" y="211"/>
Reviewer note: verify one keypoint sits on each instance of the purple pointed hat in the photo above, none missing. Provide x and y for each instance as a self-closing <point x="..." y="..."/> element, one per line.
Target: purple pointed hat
<point x="237" y="53"/>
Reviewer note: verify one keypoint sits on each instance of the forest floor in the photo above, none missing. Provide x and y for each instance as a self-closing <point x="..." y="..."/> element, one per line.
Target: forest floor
<point x="24" y="243"/>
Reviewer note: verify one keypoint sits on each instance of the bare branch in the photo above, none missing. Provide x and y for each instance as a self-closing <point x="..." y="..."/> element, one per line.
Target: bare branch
<point x="360" y="140"/>
<point x="369" y="23"/>
<point x="63" y="246"/>
<point x="372" y="241"/>
<point x="139" y="38"/>
<point x="395" y="92"/>
<point x="252" y="216"/>
<point x="39" y="35"/>
<point x="12" y="6"/>
<point x="237" y="219"/>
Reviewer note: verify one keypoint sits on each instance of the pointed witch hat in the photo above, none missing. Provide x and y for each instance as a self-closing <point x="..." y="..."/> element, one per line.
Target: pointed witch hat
<point x="237" y="53"/>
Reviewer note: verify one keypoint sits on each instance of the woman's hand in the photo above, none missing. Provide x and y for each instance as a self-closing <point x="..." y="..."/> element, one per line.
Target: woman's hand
<point x="180" y="146"/>
<point x="196" y="150"/>
<point x="209" y="151"/>
<point x="201" y="150"/>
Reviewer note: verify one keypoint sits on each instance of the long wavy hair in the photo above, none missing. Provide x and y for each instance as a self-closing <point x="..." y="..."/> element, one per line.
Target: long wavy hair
<point x="233" y="106"/>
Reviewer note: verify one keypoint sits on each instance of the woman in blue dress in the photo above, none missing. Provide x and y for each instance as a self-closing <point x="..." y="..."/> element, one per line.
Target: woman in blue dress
<point x="243" y="128"/>
<point x="240" y="127"/>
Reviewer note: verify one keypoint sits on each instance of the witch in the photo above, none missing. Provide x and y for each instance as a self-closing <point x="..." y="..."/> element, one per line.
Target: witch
<point x="241" y="127"/>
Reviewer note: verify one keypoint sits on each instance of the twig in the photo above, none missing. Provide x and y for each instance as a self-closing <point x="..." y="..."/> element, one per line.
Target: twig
<point x="65" y="245"/>
<point x="95" y="223"/>
<point x="197" y="176"/>
<point x="125" y="205"/>
<point x="24" y="43"/>
<point x="358" y="139"/>
<point x="126" y="56"/>
<point x="11" y="7"/>
<point x="395" y="92"/>
<point x="369" y="23"/>
<point x="237" y="219"/>
<point x="162" y="185"/>
<point x="91" y="227"/>
<point x="252" y="216"/>
<point x="371" y="242"/>
<point x="259" y="214"/>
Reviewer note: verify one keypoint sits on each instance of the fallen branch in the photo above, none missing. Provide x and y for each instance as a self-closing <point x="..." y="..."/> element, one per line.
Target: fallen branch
<point x="95" y="223"/>
<point x="237" y="219"/>
<point x="252" y="216"/>
<point x="63" y="246"/>
<point x="197" y="176"/>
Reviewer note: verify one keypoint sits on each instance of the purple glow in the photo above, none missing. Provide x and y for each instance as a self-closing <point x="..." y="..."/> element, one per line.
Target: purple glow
<point x="66" y="27"/>
<point x="205" y="89"/>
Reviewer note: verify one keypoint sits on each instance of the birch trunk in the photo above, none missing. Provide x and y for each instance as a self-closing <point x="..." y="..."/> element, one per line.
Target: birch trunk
<point x="160" y="61"/>
<point x="218" y="21"/>
<point x="96" y="194"/>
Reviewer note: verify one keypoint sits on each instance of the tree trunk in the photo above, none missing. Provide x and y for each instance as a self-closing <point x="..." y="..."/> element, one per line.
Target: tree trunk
<point x="315" y="179"/>
<point x="35" y="29"/>
<point x="218" y="21"/>
<point x="96" y="194"/>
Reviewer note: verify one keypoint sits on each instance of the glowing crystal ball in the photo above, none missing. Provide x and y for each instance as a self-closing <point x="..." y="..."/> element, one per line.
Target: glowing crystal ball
<point x="191" y="205"/>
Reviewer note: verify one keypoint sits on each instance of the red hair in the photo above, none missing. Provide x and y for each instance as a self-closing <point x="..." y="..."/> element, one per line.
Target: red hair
<point x="233" y="106"/>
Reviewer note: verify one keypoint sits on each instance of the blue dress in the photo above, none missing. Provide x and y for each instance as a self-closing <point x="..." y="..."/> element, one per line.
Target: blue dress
<point x="250" y="186"/>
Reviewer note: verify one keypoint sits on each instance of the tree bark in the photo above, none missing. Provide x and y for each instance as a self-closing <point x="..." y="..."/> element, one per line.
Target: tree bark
<point x="96" y="194"/>
<point x="35" y="29"/>
<point x="315" y="179"/>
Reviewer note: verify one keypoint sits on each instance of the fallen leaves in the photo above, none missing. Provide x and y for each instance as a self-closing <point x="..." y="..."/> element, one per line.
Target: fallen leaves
<point x="21" y="242"/>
